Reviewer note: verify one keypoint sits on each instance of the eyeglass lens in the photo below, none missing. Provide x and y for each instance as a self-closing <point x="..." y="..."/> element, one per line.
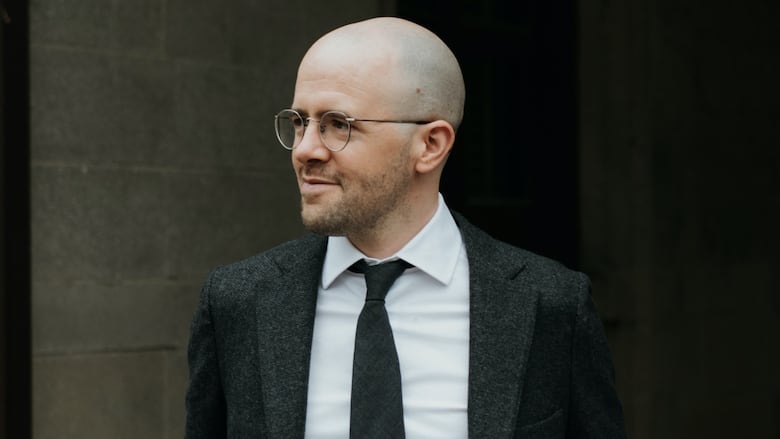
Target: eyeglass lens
<point x="333" y="126"/>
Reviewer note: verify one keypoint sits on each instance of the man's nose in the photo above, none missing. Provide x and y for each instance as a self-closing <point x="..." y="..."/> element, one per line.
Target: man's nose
<point x="311" y="146"/>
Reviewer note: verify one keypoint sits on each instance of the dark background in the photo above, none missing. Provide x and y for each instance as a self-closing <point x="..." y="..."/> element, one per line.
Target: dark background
<point x="514" y="167"/>
<point x="15" y="350"/>
<point x="636" y="141"/>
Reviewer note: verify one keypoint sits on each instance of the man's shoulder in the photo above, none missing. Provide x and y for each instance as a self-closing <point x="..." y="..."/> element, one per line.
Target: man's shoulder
<point x="271" y="261"/>
<point x="543" y="272"/>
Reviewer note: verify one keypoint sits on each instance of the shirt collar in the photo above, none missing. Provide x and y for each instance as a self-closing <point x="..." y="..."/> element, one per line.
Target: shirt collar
<point x="434" y="250"/>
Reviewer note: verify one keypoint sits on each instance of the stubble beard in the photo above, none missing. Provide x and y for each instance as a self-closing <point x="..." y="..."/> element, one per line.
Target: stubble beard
<point x="363" y="206"/>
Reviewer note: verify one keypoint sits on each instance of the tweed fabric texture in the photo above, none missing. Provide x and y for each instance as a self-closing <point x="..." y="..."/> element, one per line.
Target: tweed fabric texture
<point x="539" y="364"/>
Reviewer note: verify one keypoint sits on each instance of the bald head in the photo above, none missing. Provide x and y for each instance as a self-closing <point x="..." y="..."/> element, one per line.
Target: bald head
<point x="413" y="73"/>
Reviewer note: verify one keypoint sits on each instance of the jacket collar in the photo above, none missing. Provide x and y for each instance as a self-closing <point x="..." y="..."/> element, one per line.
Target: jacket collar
<point x="502" y="319"/>
<point x="285" y="317"/>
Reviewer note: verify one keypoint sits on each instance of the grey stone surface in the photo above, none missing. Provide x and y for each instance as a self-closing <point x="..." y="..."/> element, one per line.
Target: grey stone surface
<point x="98" y="108"/>
<point x="248" y="32"/>
<point x="111" y="395"/>
<point x="135" y="26"/>
<point x="223" y="117"/>
<point x="89" y="317"/>
<point x="220" y="218"/>
<point x="198" y="29"/>
<point x="176" y="387"/>
<point x="111" y="224"/>
<point x="154" y="160"/>
<point x="285" y="37"/>
<point x="97" y="224"/>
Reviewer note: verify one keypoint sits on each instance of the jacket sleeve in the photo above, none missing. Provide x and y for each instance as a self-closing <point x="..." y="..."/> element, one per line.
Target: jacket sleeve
<point x="595" y="411"/>
<point x="205" y="401"/>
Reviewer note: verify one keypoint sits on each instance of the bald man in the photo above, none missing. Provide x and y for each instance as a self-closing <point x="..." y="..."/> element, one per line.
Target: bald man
<point x="486" y="340"/>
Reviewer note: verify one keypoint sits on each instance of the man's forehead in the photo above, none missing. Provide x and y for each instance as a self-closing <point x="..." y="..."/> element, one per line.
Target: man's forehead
<point x="351" y="54"/>
<point x="351" y="94"/>
<point x="360" y="74"/>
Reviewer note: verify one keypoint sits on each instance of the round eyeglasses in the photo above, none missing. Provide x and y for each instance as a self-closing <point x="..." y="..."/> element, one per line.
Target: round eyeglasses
<point x="335" y="128"/>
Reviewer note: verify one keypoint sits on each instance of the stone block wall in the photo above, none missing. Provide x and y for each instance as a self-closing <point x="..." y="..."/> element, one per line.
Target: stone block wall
<point x="153" y="161"/>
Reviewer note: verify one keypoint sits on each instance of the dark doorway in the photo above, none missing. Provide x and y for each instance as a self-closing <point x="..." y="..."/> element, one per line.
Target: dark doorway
<point x="514" y="168"/>
<point x="15" y="353"/>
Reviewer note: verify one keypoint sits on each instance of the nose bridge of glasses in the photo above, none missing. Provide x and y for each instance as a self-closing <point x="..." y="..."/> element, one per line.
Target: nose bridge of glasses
<point x="308" y="120"/>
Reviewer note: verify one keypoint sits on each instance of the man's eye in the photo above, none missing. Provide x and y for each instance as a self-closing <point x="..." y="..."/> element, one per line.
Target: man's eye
<point x="339" y="124"/>
<point x="296" y="121"/>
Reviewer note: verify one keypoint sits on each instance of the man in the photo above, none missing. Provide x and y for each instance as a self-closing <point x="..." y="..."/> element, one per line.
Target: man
<point x="487" y="340"/>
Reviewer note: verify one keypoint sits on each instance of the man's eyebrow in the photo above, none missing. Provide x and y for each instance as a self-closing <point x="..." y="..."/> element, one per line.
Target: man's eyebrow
<point x="305" y="113"/>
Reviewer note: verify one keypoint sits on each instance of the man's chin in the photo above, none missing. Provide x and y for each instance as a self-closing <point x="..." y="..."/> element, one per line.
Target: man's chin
<point x="321" y="223"/>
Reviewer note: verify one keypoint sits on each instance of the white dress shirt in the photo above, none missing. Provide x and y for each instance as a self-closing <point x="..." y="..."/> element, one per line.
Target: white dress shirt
<point x="428" y="308"/>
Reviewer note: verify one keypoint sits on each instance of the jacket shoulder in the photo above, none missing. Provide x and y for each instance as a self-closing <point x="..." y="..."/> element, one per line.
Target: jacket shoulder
<point x="548" y="276"/>
<point x="244" y="274"/>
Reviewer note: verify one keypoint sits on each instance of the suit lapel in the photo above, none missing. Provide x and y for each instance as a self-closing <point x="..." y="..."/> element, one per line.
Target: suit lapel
<point x="502" y="318"/>
<point x="285" y="316"/>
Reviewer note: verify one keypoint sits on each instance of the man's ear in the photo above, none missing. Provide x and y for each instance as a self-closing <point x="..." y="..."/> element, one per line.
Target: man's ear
<point x="438" y="138"/>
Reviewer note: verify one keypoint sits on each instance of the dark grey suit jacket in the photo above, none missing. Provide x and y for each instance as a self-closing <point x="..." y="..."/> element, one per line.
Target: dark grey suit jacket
<point x="539" y="365"/>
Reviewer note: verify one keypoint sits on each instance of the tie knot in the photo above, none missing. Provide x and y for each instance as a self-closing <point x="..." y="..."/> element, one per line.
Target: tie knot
<point x="379" y="277"/>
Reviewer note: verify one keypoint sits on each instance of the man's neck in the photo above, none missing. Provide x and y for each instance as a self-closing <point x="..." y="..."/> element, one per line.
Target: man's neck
<point x="388" y="238"/>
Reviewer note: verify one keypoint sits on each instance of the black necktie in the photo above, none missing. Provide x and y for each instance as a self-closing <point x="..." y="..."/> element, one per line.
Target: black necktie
<point x="377" y="407"/>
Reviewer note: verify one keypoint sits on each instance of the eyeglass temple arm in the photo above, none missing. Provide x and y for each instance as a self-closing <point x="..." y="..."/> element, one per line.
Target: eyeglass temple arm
<point x="416" y="122"/>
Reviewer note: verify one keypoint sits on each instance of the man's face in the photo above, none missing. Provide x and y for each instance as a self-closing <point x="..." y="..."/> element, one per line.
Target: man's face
<point x="360" y="188"/>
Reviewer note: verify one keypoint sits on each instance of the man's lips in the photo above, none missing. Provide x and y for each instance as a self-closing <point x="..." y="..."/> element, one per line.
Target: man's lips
<point x="312" y="184"/>
<point x="317" y="180"/>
